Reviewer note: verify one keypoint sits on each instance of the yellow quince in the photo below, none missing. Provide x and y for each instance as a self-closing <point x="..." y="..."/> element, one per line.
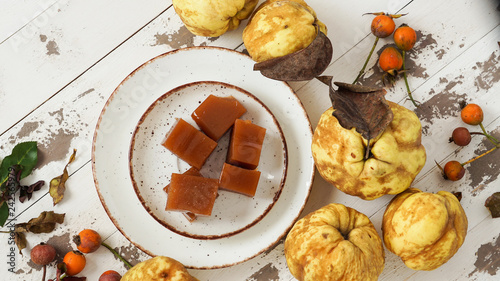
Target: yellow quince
<point x="215" y="17"/>
<point x="424" y="229"/>
<point x="280" y="27"/>
<point x="396" y="155"/>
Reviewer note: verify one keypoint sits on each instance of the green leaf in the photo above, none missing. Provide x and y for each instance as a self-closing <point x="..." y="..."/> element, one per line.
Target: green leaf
<point x="24" y="154"/>
<point x="4" y="213"/>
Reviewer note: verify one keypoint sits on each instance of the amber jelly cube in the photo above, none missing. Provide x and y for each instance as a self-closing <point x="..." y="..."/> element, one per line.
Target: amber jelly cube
<point x="189" y="144"/>
<point x="246" y="144"/>
<point x="190" y="172"/>
<point x="239" y="180"/>
<point x="217" y="114"/>
<point x="192" y="194"/>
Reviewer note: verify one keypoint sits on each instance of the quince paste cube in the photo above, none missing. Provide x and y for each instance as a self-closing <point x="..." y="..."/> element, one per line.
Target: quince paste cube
<point x="246" y="144"/>
<point x="239" y="180"/>
<point x="189" y="144"/>
<point x="190" y="172"/>
<point x="192" y="194"/>
<point x="217" y="114"/>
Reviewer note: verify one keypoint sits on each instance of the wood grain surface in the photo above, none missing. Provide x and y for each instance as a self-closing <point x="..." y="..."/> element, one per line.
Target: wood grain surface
<point x="61" y="60"/>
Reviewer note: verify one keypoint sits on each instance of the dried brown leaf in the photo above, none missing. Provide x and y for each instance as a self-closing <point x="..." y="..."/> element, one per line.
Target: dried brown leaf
<point x="58" y="184"/>
<point x="44" y="223"/>
<point x="20" y="240"/>
<point x="493" y="204"/>
<point x="360" y="107"/>
<point x="305" y="64"/>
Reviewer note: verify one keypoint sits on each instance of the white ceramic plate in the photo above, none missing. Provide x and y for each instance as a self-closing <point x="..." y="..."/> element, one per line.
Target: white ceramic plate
<point x="122" y="113"/>
<point x="151" y="164"/>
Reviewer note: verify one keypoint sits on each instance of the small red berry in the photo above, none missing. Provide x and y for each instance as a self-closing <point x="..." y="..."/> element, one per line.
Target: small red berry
<point x="453" y="171"/>
<point x="461" y="136"/>
<point x="110" y="275"/>
<point x="43" y="254"/>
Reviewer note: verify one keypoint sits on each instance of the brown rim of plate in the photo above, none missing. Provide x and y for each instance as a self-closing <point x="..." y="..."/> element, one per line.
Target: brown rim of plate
<point x="96" y="183"/>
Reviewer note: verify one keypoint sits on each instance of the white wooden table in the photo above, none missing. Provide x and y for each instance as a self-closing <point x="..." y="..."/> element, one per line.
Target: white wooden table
<point x="60" y="60"/>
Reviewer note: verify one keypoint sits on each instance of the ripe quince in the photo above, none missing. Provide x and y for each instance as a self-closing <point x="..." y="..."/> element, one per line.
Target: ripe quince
<point x="334" y="243"/>
<point x="280" y="27"/>
<point x="159" y="268"/>
<point x="396" y="155"/>
<point x="213" y="18"/>
<point x="424" y="229"/>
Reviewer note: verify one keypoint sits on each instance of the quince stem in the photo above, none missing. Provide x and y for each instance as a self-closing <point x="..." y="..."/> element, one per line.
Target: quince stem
<point x="406" y="80"/>
<point x="490" y="137"/>
<point x="366" y="62"/>
<point x="117" y="255"/>
<point x="479" y="156"/>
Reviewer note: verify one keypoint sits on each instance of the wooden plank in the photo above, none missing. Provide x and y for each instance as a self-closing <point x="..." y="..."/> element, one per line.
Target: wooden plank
<point x="40" y="60"/>
<point x="14" y="15"/>
<point x="67" y="121"/>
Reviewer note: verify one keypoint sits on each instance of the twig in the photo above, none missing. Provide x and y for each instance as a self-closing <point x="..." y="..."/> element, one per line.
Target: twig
<point x="366" y="62"/>
<point x="406" y="81"/>
<point x="479" y="156"/>
<point x="117" y="255"/>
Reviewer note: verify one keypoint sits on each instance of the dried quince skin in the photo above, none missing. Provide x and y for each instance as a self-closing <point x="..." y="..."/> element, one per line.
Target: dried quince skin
<point x="159" y="268"/>
<point x="334" y="242"/>
<point x="424" y="229"/>
<point x="279" y="28"/>
<point x="213" y="18"/>
<point x="397" y="155"/>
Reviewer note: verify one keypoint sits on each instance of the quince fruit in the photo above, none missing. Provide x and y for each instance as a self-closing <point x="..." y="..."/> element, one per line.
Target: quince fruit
<point x="213" y="18"/>
<point x="279" y="28"/>
<point x="396" y="155"/>
<point x="424" y="229"/>
<point x="159" y="268"/>
<point x="334" y="243"/>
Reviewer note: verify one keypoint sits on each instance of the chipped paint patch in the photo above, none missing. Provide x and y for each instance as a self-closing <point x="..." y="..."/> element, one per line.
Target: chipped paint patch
<point x="489" y="72"/>
<point x="130" y="254"/>
<point x="56" y="147"/>
<point x="182" y="38"/>
<point x="484" y="170"/>
<point x="488" y="258"/>
<point x="425" y="41"/>
<point x="62" y="244"/>
<point x="27" y="129"/>
<point x="441" y="105"/>
<point x="267" y="273"/>
<point x="58" y="115"/>
<point x="85" y="93"/>
<point x="52" y="48"/>
<point x="176" y="40"/>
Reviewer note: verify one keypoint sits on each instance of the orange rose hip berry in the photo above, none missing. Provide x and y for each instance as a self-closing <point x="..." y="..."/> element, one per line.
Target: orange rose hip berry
<point x="472" y="114"/>
<point x="75" y="262"/>
<point x="87" y="241"/>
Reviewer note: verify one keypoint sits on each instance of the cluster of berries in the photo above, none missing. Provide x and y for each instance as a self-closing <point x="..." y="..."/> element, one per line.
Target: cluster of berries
<point x="392" y="60"/>
<point x="87" y="241"/>
<point x="471" y="114"/>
